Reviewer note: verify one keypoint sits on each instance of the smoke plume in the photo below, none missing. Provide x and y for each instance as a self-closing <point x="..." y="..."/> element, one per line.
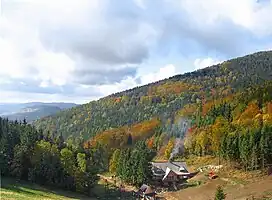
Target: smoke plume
<point x="178" y="130"/>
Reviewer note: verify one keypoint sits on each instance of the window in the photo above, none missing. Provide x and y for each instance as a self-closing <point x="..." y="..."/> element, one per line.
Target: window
<point x="171" y="177"/>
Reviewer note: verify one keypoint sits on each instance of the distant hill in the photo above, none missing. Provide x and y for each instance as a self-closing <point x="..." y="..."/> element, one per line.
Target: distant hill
<point x="164" y="99"/>
<point x="32" y="111"/>
<point x="61" y="105"/>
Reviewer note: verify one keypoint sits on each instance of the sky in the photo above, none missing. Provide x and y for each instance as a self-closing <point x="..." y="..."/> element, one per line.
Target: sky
<point x="81" y="50"/>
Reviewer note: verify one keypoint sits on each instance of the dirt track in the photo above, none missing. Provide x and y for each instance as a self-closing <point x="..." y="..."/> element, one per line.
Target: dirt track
<point x="257" y="189"/>
<point x="207" y="191"/>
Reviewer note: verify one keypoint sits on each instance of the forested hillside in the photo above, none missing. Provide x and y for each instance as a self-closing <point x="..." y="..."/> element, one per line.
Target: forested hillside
<point x="31" y="155"/>
<point x="161" y="99"/>
<point x="222" y="110"/>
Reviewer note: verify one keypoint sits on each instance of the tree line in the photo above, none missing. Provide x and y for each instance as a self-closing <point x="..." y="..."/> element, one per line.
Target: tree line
<point x="252" y="149"/>
<point x="132" y="165"/>
<point x="28" y="154"/>
<point x="46" y="159"/>
<point x="237" y="129"/>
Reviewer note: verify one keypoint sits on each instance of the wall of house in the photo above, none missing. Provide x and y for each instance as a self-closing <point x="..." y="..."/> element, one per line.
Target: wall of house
<point x="171" y="177"/>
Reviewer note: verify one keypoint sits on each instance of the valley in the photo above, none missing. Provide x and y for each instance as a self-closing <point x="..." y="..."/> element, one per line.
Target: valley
<point x="258" y="185"/>
<point x="220" y="115"/>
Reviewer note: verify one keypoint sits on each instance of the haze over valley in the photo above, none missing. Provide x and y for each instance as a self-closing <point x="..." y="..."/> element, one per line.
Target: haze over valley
<point x="31" y="111"/>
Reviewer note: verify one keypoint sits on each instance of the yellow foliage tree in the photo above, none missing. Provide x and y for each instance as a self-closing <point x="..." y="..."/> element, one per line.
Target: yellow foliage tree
<point x="202" y="141"/>
<point x="114" y="161"/>
<point x="169" y="148"/>
<point x="219" y="128"/>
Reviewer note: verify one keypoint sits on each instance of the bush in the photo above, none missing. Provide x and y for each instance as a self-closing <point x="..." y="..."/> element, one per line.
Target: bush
<point x="219" y="195"/>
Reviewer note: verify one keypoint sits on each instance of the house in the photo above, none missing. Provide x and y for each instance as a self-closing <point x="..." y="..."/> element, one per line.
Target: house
<point x="167" y="173"/>
<point x="146" y="192"/>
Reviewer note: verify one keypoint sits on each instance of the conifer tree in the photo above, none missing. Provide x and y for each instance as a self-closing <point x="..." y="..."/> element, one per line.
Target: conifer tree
<point x="219" y="195"/>
<point x="129" y="140"/>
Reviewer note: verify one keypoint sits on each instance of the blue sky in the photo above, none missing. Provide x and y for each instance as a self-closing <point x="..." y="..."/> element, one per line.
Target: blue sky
<point x="78" y="51"/>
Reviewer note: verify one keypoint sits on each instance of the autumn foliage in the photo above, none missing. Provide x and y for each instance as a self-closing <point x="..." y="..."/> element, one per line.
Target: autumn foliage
<point x="150" y="142"/>
<point x="118" y="137"/>
<point x="237" y="128"/>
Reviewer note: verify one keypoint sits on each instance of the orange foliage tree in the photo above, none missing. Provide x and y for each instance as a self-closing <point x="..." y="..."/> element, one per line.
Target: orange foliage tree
<point x="246" y="119"/>
<point x="118" y="137"/>
<point x="150" y="142"/>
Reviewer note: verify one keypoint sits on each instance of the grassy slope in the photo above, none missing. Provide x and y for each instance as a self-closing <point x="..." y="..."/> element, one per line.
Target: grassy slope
<point x="24" y="191"/>
<point x="12" y="190"/>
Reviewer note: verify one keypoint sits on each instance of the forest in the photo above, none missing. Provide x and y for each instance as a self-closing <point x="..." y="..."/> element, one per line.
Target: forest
<point x="224" y="110"/>
<point x="223" y="106"/>
<point x="237" y="128"/>
<point x="161" y="99"/>
<point x="30" y="155"/>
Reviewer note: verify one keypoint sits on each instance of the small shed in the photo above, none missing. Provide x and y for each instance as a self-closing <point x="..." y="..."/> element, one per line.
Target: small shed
<point x="146" y="191"/>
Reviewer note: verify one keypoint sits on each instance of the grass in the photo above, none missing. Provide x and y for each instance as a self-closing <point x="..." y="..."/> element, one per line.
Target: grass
<point x="194" y="183"/>
<point x="196" y="161"/>
<point x="10" y="190"/>
<point x="104" y="190"/>
<point x="267" y="196"/>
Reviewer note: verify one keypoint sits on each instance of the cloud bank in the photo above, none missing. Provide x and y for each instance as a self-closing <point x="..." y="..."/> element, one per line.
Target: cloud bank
<point x="78" y="51"/>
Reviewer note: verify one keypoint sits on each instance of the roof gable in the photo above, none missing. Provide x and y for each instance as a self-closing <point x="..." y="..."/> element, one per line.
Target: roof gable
<point x="177" y="167"/>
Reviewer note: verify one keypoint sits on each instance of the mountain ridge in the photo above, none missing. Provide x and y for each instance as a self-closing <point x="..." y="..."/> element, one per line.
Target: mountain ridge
<point x="162" y="98"/>
<point x="178" y="76"/>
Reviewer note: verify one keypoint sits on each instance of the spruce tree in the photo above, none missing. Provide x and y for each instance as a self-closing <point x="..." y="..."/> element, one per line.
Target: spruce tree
<point x="219" y="195"/>
<point x="129" y="140"/>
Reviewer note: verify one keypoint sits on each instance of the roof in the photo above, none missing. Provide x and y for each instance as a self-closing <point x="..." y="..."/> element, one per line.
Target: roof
<point x="146" y="189"/>
<point x="168" y="170"/>
<point x="161" y="168"/>
<point x="143" y="187"/>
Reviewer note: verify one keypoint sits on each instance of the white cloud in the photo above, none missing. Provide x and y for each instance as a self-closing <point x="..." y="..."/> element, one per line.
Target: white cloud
<point x="55" y="44"/>
<point x="42" y="65"/>
<point x="54" y="67"/>
<point x="140" y="3"/>
<point x="162" y="73"/>
<point x="205" y="62"/>
<point x="22" y="53"/>
<point x="250" y="14"/>
<point x="60" y="45"/>
<point x="86" y="92"/>
<point x="118" y="87"/>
